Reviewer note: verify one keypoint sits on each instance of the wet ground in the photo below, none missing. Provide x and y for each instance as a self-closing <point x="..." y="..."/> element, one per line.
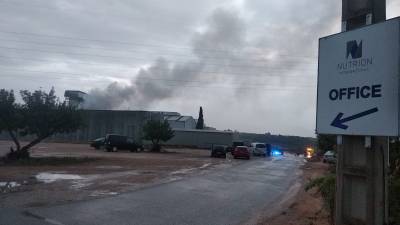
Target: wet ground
<point x="96" y="174"/>
<point x="223" y="194"/>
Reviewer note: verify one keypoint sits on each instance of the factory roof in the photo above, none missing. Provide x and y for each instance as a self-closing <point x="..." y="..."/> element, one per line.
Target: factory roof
<point x="178" y="118"/>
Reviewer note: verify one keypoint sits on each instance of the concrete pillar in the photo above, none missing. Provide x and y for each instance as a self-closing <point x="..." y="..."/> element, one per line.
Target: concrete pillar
<point x="361" y="186"/>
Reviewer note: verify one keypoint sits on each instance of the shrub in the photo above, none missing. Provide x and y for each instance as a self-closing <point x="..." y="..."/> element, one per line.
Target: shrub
<point x="394" y="183"/>
<point x="326" y="186"/>
<point x="394" y="201"/>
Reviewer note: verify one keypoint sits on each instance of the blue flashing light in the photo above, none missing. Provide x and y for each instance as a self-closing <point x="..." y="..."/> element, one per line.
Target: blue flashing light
<point x="276" y="152"/>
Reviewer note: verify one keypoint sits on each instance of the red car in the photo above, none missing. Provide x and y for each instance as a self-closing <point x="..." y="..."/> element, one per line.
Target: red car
<point x="241" y="152"/>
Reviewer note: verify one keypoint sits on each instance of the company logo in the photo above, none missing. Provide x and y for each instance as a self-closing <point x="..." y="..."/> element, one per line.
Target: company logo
<point x="355" y="62"/>
<point x="354" y="50"/>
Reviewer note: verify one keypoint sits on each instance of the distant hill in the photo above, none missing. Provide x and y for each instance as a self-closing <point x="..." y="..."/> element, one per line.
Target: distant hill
<point x="295" y="144"/>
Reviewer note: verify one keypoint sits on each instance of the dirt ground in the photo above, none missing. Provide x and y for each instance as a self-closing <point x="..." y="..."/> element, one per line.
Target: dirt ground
<point x="305" y="208"/>
<point x="97" y="173"/>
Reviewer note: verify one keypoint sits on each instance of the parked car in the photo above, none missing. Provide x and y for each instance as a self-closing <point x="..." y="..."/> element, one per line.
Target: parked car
<point x="234" y="145"/>
<point x="241" y="152"/>
<point x="114" y="142"/>
<point x="329" y="157"/>
<point x="258" y="149"/>
<point x="97" y="143"/>
<point x="218" y="151"/>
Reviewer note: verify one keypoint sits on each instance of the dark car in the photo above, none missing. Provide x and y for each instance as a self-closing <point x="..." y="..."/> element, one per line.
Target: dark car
<point x="114" y="142"/>
<point x="268" y="149"/>
<point x="97" y="143"/>
<point x="241" y="152"/>
<point x="218" y="151"/>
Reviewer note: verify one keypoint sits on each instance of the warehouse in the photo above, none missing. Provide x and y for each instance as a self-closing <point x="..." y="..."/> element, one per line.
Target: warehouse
<point x="98" y="123"/>
<point x="181" y="122"/>
<point x="201" y="138"/>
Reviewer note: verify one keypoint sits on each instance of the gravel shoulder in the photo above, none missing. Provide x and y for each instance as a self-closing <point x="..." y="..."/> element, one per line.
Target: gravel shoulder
<point x="300" y="207"/>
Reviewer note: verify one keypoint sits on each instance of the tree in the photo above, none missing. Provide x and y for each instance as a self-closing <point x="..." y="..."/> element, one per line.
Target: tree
<point x="156" y="131"/>
<point x="200" y="121"/>
<point x="10" y="116"/>
<point x="326" y="142"/>
<point x="40" y="116"/>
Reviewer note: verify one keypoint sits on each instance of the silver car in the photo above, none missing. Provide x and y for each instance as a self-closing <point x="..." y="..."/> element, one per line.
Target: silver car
<point x="329" y="157"/>
<point x="258" y="149"/>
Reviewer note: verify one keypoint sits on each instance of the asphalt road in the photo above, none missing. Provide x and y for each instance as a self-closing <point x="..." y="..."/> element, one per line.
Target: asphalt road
<point x="227" y="195"/>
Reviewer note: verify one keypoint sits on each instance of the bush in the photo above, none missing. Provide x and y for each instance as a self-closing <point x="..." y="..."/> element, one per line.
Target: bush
<point x="326" y="186"/>
<point x="394" y="201"/>
<point x="394" y="183"/>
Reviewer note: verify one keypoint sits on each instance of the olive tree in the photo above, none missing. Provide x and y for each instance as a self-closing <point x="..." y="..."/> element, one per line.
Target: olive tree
<point x="39" y="116"/>
<point x="156" y="131"/>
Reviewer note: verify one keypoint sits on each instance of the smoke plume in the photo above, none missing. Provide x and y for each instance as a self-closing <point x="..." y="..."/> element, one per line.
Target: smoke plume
<point x="225" y="32"/>
<point x="223" y="52"/>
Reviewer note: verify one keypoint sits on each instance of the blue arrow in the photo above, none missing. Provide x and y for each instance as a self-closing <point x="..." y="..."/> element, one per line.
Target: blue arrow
<point x="339" y="122"/>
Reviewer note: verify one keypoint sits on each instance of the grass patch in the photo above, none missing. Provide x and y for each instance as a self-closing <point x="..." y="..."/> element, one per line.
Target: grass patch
<point x="49" y="161"/>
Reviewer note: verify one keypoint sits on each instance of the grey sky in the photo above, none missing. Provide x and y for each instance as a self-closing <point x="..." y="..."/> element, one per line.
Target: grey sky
<point x="250" y="64"/>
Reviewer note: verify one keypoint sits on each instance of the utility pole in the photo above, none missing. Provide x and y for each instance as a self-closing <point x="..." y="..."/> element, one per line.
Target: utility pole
<point x="361" y="191"/>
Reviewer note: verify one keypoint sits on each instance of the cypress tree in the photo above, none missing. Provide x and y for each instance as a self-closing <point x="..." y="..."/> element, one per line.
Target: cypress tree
<point x="200" y="121"/>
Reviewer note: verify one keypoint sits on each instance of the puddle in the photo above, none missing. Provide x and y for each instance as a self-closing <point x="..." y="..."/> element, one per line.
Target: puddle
<point x="173" y="179"/>
<point x="205" y="165"/>
<point x="6" y="187"/>
<point x="102" y="193"/>
<point x="189" y="170"/>
<point x="52" y="177"/>
<point x="182" y="171"/>
<point x="109" y="167"/>
<point x="147" y="172"/>
<point x="78" y="185"/>
<point x="11" y="184"/>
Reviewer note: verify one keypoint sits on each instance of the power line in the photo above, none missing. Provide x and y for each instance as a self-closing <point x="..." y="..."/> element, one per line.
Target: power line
<point x="88" y="11"/>
<point x="235" y="83"/>
<point x="161" y="70"/>
<point x="249" y="88"/>
<point x="122" y="57"/>
<point x="121" y="42"/>
<point x="186" y="70"/>
<point x="141" y="50"/>
<point x="236" y="87"/>
<point x="77" y="75"/>
<point x="163" y="20"/>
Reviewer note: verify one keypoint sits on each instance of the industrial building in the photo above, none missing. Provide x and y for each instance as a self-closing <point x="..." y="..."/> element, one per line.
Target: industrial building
<point x="181" y="122"/>
<point x="130" y="123"/>
<point x="75" y="98"/>
<point x="201" y="138"/>
<point x="98" y="123"/>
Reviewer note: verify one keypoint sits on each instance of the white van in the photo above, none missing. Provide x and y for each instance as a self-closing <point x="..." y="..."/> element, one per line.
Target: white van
<point x="258" y="149"/>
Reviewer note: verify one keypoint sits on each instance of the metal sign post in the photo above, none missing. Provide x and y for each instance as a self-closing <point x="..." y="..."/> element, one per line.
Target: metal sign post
<point x="358" y="100"/>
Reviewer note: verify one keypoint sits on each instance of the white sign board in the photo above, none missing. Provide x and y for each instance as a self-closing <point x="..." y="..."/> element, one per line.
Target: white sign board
<point x="358" y="81"/>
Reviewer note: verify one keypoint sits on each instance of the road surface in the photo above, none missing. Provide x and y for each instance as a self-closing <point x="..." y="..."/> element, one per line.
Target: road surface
<point x="227" y="195"/>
